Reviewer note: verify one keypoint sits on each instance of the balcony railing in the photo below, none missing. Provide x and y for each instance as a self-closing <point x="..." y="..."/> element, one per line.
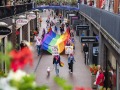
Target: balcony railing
<point x="8" y="11"/>
<point x="109" y="21"/>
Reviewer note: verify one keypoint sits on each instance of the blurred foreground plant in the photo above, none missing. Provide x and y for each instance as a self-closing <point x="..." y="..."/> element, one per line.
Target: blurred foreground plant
<point x="63" y="84"/>
<point x="17" y="79"/>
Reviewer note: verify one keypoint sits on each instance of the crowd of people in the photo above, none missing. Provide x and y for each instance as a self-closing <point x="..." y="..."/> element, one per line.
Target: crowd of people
<point x="105" y="79"/>
<point x="56" y="25"/>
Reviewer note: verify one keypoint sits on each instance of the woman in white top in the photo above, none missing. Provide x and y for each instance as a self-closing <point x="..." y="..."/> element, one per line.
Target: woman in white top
<point x="38" y="44"/>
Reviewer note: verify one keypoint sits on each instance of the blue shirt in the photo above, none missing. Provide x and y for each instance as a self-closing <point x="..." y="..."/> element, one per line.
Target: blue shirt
<point x="71" y="58"/>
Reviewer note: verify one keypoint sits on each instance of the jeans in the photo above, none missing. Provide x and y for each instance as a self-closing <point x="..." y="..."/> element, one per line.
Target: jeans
<point x="56" y="69"/>
<point x="38" y="49"/>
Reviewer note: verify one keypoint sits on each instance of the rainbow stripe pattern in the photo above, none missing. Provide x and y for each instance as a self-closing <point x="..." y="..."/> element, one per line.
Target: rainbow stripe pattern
<point x="53" y="39"/>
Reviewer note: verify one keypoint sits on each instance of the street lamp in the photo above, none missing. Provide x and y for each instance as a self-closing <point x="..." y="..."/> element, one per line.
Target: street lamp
<point x="31" y="16"/>
<point x="36" y="13"/>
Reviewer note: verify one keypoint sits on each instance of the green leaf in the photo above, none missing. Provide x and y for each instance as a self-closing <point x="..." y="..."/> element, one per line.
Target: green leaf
<point x="62" y="83"/>
<point x="9" y="47"/>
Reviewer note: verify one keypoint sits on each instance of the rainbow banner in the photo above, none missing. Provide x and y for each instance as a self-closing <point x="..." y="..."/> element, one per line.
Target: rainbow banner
<point x="53" y="39"/>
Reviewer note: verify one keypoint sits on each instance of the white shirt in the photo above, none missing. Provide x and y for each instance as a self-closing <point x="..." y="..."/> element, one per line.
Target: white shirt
<point x="38" y="42"/>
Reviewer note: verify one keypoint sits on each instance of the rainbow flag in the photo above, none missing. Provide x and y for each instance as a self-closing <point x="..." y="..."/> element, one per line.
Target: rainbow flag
<point x="62" y="64"/>
<point x="53" y="39"/>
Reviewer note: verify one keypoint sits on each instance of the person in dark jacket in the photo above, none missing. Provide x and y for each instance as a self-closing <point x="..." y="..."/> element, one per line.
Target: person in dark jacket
<point x="85" y="49"/>
<point x="56" y="28"/>
<point x="56" y="63"/>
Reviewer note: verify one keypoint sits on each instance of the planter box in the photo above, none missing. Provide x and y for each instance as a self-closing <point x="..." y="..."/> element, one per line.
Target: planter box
<point x="92" y="82"/>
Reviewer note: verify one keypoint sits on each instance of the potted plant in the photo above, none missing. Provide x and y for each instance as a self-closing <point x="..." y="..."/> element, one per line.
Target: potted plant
<point x="93" y="69"/>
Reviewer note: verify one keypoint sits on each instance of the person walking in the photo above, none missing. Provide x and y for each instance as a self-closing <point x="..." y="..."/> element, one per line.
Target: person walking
<point x="85" y="49"/>
<point x="71" y="61"/>
<point x="38" y="44"/>
<point x="43" y="33"/>
<point x="55" y="28"/>
<point x="61" y="30"/>
<point x="56" y="63"/>
<point x="100" y="80"/>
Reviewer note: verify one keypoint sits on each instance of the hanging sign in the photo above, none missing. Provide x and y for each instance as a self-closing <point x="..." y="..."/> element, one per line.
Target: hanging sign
<point x="82" y="27"/>
<point x="71" y="14"/>
<point x="88" y="39"/>
<point x="21" y="21"/>
<point x="5" y="30"/>
<point x="73" y="18"/>
<point x="31" y="16"/>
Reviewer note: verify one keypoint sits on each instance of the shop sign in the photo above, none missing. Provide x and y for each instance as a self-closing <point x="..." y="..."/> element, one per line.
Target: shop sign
<point x="88" y="39"/>
<point x="21" y="21"/>
<point x="5" y="31"/>
<point x="72" y="15"/>
<point x="82" y="27"/>
<point x="74" y="18"/>
<point x="31" y="16"/>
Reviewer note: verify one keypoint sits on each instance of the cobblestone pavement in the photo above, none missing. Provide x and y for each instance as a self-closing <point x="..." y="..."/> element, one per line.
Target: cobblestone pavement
<point x="80" y="77"/>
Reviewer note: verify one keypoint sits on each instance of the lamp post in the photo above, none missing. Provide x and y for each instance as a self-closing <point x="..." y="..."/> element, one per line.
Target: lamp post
<point x="31" y="15"/>
<point x="3" y="63"/>
<point x="14" y="39"/>
<point x="36" y="20"/>
<point x="21" y="17"/>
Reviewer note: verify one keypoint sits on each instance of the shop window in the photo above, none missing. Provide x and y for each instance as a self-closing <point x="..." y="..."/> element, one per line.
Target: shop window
<point x="111" y="5"/>
<point x="18" y="39"/>
<point x="111" y="70"/>
<point x="119" y="8"/>
<point x="112" y="60"/>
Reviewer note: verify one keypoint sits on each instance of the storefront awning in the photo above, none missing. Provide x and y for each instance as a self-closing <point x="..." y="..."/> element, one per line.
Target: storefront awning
<point x="2" y="36"/>
<point x="57" y="7"/>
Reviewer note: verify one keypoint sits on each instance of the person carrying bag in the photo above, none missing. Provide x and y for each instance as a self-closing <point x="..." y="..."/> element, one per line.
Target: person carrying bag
<point x="71" y="61"/>
<point x="57" y="63"/>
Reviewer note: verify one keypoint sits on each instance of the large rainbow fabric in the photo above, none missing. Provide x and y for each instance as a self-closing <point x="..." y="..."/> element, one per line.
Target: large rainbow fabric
<point x="53" y="39"/>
